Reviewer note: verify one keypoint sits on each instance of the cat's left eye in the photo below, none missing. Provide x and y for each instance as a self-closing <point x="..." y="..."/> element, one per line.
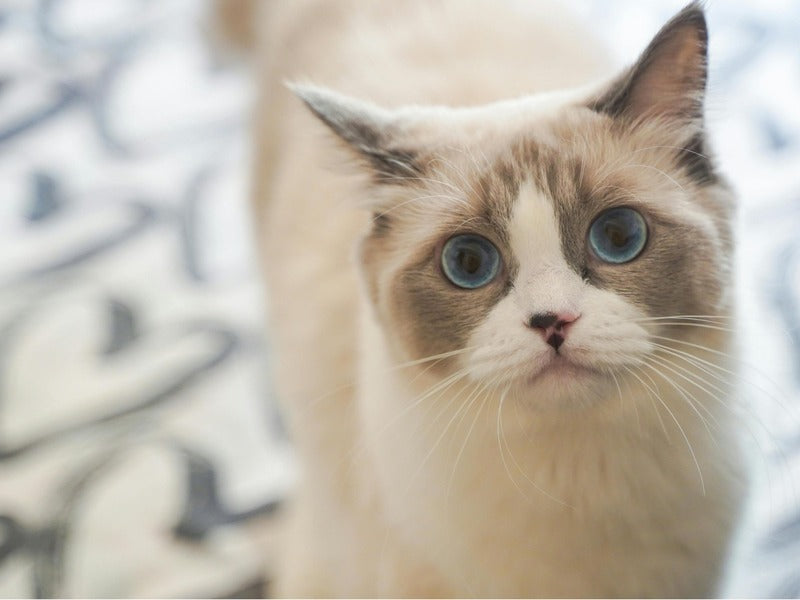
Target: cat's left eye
<point x="470" y="261"/>
<point x="618" y="235"/>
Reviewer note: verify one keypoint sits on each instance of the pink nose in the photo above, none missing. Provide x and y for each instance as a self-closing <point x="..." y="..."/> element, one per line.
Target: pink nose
<point x="553" y="326"/>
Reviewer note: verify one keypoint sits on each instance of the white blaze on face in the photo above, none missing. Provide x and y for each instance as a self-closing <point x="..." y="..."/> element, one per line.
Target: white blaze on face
<point x="545" y="282"/>
<point x="605" y="333"/>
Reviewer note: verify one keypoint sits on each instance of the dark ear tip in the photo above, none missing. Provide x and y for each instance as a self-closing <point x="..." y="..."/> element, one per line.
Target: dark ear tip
<point x="693" y="14"/>
<point x="670" y="74"/>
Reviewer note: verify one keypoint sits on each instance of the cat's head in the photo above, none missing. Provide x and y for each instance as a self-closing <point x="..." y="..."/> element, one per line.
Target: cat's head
<point x="543" y="240"/>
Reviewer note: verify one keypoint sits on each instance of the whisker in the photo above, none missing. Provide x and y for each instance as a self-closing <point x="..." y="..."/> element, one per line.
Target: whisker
<point x="709" y="318"/>
<point x="500" y="445"/>
<point x="439" y="392"/>
<point x="416" y="199"/>
<point x="779" y="397"/>
<point x="621" y="401"/>
<point x="415" y="178"/>
<point x="657" y="170"/>
<point x="439" y="439"/>
<point x="501" y="440"/>
<point x="486" y="397"/>
<point x="690" y="359"/>
<point x="480" y="387"/>
<point x="697" y="324"/>
<point x="433" y="357"/>
<point x="694" y="345"/>
<point x="690" y="398"/>
<point x="440" y="387"/>
<point x="436" y="357"/>
<point x="697" y="362"/>
<point x="651" y="394"/>
<point x="784" y="459"/>
<point x="681" y="148"/>
<point x="610" y="170"/>
<point x="681" y="430"/>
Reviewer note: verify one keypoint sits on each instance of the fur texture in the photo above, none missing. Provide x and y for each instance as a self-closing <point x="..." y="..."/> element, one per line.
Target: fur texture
<point x="447" y="448"/>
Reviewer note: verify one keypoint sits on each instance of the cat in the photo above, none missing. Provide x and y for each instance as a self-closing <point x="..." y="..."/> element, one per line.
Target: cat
<point x="500" y="296"/>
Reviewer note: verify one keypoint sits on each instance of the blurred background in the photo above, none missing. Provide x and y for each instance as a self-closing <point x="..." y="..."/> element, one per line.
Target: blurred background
<point x="141" y="451"/>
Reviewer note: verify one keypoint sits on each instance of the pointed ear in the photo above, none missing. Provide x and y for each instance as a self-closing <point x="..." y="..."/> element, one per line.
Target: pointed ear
<point x="373" y="133"/>
<point x="669" y="79"/>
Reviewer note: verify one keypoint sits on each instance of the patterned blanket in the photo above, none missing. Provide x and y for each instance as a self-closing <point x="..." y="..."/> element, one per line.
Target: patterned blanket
<point x="141" y="453"/>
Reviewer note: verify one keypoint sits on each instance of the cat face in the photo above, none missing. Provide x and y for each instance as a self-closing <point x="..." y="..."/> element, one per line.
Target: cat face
<point x="536" y="242"/>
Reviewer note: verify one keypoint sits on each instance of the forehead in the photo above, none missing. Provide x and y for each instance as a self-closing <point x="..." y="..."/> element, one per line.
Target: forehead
<point x="577" y="165"/>
<point x="535" y="199"/>
<point x="533" y="231"/>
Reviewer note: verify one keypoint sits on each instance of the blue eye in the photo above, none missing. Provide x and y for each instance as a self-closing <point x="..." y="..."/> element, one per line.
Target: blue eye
<point x="618" y="235"/>
<point x="470" y="261"/>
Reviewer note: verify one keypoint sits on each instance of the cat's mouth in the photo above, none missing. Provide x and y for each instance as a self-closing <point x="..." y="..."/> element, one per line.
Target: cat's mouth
<point x="559" y="367"/>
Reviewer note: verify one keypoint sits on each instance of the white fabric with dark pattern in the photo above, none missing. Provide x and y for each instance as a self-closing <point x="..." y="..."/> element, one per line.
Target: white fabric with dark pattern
<point x="141" y="453"/>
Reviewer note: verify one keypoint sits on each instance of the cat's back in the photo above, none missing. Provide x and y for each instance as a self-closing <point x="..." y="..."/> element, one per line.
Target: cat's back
<point x="422" y="52"/>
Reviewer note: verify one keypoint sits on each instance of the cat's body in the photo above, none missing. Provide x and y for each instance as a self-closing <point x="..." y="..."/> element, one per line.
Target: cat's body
<point x="507" y="481"/>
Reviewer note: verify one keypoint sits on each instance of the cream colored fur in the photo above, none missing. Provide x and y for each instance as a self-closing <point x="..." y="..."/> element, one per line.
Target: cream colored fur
<point x="468" y="491"/>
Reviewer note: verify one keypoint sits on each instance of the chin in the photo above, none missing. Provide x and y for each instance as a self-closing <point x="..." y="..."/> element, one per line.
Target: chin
<point x="564" y="384"/>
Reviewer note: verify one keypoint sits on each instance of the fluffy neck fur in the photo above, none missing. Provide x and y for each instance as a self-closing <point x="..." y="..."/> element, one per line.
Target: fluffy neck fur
<point x="419" y="482"/>
<point x="605" y="500"/>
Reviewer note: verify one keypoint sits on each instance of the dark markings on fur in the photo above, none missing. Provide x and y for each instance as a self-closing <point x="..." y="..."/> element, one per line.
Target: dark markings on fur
<point x="381" y="224"/>
<point x="427" y="314"/>
<point x="677" y="273"/>
<point x="392" y="164"/>
<point x="584" y="163"/>
<point x="695" y="158"/>
<point x="498" y="190"/>
<point x="438" y="316"/>
<point x="685" y="94"/>
<point x="617" y="100"/>
<point x="366" y="131"/>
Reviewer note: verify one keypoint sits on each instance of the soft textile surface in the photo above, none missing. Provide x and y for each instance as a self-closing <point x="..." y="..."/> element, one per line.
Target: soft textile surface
<point x="141" y="453"/>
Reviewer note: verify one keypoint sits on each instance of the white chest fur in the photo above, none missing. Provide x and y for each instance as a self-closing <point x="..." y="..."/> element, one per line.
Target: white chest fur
<point x="513" y="500"/>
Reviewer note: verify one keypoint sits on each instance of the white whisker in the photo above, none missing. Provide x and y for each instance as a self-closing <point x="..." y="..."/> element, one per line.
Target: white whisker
<point x="486" y="388"/>
<point x="681" y="430"/>
<point x="671" y="367"/>
<point x="501" y="440"/>
<point x="779" y="398"/>
<point x="651" y="394"/>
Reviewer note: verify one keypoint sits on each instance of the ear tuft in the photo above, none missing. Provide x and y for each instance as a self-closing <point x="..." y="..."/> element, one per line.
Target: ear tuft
<point x="373" y="133"/>
<point x="669" y="79"/>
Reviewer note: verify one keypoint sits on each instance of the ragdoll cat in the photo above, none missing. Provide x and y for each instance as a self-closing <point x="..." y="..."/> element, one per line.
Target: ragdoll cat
<point x="500" y="332"/>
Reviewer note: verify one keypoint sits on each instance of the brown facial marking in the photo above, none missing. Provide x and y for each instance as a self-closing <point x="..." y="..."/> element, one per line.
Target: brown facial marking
<point x="679" y="270"/>
<point x="585" y="163"/>
<point x="439" y="317"/>
<point x="425" y="313"/>
<point x="497" y="193"/>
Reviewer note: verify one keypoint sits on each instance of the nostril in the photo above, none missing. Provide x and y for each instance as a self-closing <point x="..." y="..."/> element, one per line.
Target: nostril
<point x="553" y="327"/>
<point x="555" y="340"/>
<point x="543" y="320"/>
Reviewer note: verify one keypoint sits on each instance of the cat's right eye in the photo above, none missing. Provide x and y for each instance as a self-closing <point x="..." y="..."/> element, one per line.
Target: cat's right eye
<point x="470" y="261"/>
<point x="618" y="235"/>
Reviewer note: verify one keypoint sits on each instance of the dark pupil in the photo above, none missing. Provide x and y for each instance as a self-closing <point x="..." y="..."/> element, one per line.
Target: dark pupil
<point x="616" y="234"/>
<point x="469" y="261"/>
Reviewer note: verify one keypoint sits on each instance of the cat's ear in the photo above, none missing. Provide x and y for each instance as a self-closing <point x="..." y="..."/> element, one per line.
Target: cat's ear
<point x="376" y="135"/>
<point x="669" y="79"/>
